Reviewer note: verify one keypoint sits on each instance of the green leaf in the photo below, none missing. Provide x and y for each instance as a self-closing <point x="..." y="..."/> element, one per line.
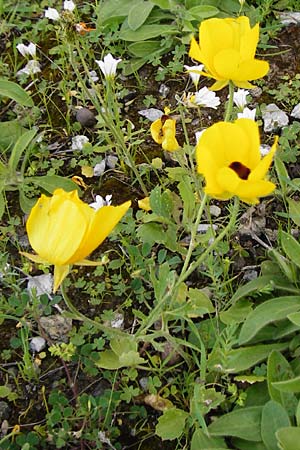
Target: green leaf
<point x="204" y="442"/>
<point x="51" y="182"/>
<point x="246" y="445"/>
<point x="198" y="303"/>
<point x="144" y="48"/>
<point x="2" y="204"/>
<point x="25" y="202"/>
<point x="114" y="10"/>
<point x="246" y="357"/>
<point x="163" y="4"/>
<point x="243" y="423"/>
<point x="139" y="13"/>
<point x="294" y="318"/>
<point x="292" y="385"/>
<point x="237" y="313"/>
<point x="269" y="311"/>
<point x="10" y="131"/>
<point x="203" y="12"/>
<point x="146" y="32"/>
<point x="289" y="438"/>
<point x="294" y="210"/>
<point x="274" y="416"/>
<point x="15" y="92"/>
<point x="171" y="424"/>
<point x="4" y="391"/>
<point x="291" y="247"/>
<point x="252" y="287"/>
<point x="19" y="147"/>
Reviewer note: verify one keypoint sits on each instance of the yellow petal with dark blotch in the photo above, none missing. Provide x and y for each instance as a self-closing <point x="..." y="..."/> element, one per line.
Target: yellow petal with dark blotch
<point x="156" y="131"/>
<point x="60" y="273"/>
<point x="228" y="179"/>
<point x="250" y="128"/>
<point x="102" y="223"/>
<point x="251" y="70"/>
<point x="226" y="63"/>
<point x="218" y="85"/>
<point x="195" y="52"/>
<point x="56" y="227"/>
<point x="262" y="168"/>
<point x="169" y="142"/>
<point x="35" y="258"/>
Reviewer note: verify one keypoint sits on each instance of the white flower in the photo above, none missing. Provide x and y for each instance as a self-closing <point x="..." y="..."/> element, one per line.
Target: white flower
<point x="79" y="141"/>
<point x="274" y="117"/>
<point x="194" y="72"/>
<point x="69" y="5"/>
<point x="100" y="202"/>
<point x="25" y="50"/>
<point x="264" y="149"/>
<point x="31" y="68"/>
<point x="240" y="98"/>
<point x="247" y="114"/>
<point x="99" y="169"/>
<point x="205" y="97"/>
<point x="109" y="65"/>
<point x="52" y="13"/>
<point x="296" y="111"/>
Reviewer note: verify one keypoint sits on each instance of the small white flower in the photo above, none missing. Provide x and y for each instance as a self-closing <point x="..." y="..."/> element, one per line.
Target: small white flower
<point x="240" y="98"/>
<point x="205" y="97"/>
<point x="194" y="72"/>
<point x="25" y="50"/>
<point x="274" y="117"/>
<point x="99" y="168"/>
<point x="52" y="13"/>
<point x="79" y="141"/>
<point x="264" y="149"/>
<point x="69" y="5"/>
<point x="100" y="202"/>
<point x="93" y="76"/>
<point x="31" y="68"/>
<point x="247" y="114"/>
<point x="296" y="111"/>
<point x="108" y="66"/>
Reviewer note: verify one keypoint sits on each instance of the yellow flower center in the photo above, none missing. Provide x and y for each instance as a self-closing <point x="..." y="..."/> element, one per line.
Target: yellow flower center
<point x="242" y="171"/>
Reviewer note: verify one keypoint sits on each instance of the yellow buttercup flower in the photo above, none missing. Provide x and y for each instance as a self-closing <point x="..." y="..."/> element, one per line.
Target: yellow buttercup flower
<point x="163" y="132"/>
<point x="227" y="49"/>
<point x="63" y="230"/>
<point x="228" y="155"/>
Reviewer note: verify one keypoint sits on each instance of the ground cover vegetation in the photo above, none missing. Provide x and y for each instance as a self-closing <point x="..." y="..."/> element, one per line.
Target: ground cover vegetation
<point x="150" y="214"/>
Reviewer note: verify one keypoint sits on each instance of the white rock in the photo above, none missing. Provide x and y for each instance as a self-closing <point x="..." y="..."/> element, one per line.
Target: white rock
<point x="288" y="17"/>
<point x="151" y="114"/>
<point x="40" y="284"/>
<point x="37" y="344"/>
<point x="274" y="117"/>
<point x="296" y="112"/>
<point x="99" y="168"/>
<point x="204" y="227"/>
<point x="215" y="210"/>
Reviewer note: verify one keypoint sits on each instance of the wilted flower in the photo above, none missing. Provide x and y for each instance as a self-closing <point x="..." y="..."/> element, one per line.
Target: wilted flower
<point x="100" y="202"/>
<point x="69" y="5"/>
<point x="240" y="98"/>
<point x="227" y="49"/>
<point x="63" y="230"/>
<point x="79" y="141"/>
<point x="206" y="98"/>
<point x="247" y="114"/>
<point x="25" y="50"/>
<point x="52" y="13"/>
<point x="163" y="132"/>
<point x="195" y="72"/>
<point x="31" y="68"/>
<point x="108" y="66"/>
<point x="82" y="28"/>
<point x="228" y="155"/>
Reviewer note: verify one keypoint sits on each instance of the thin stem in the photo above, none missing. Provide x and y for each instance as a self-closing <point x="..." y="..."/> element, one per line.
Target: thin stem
<point x="82" y="318"/>
<point x="228" y="111"/>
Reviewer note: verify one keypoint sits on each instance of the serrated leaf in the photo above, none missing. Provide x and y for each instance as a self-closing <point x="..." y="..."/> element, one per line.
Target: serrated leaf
<point x="15" y="92"/>
<point x="243" y="423"/>
<point x="269" y="311"/>
<point x="274" y="416"/>
<point x="139" y="13"/>
<point x="171" y="424"/>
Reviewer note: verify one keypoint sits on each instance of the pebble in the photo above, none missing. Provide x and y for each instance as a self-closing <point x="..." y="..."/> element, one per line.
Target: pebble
<point x="37" y="344"/>
<point x="85" y="117"/>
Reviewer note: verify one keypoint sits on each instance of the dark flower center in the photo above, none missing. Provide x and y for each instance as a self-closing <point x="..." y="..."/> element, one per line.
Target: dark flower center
<point x="242" y="171"/>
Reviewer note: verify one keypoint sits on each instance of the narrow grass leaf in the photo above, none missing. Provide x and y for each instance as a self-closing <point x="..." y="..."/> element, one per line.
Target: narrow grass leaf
<point x="15" y="92"/>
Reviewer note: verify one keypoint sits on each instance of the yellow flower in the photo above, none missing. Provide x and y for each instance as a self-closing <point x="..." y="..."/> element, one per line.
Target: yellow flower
<point x="144" y="204"/>
<point x="228" y="155"/>
<point x="163" y="132"/>
<point x="227" y="49"/>
<point x="63" y="230"/>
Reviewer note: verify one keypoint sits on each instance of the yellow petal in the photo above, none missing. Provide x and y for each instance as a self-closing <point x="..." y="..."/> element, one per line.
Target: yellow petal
<point x="35" y="258"/>
<point x="195" y="51"/>
<point x="228" y="179"/>
<point x="262" y="168"/>
<point x="169" y="141"/>
<point x="101" y="224"/>
<point x="250" y="129"/>
<point x="219" y="85"/>
<point x="156" y="131"/>
<point x="251" y="70"/>
<point x="56" y="227"/>
<point x="144" y="204"/>
<point x="226" y="63"/>
<point x="60" y="273"/>
<point x="249" y="190"/>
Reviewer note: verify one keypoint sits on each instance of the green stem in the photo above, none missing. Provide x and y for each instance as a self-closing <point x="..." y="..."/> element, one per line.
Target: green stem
<point x="228" y="111"/>
<point x="82" y="318"/>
